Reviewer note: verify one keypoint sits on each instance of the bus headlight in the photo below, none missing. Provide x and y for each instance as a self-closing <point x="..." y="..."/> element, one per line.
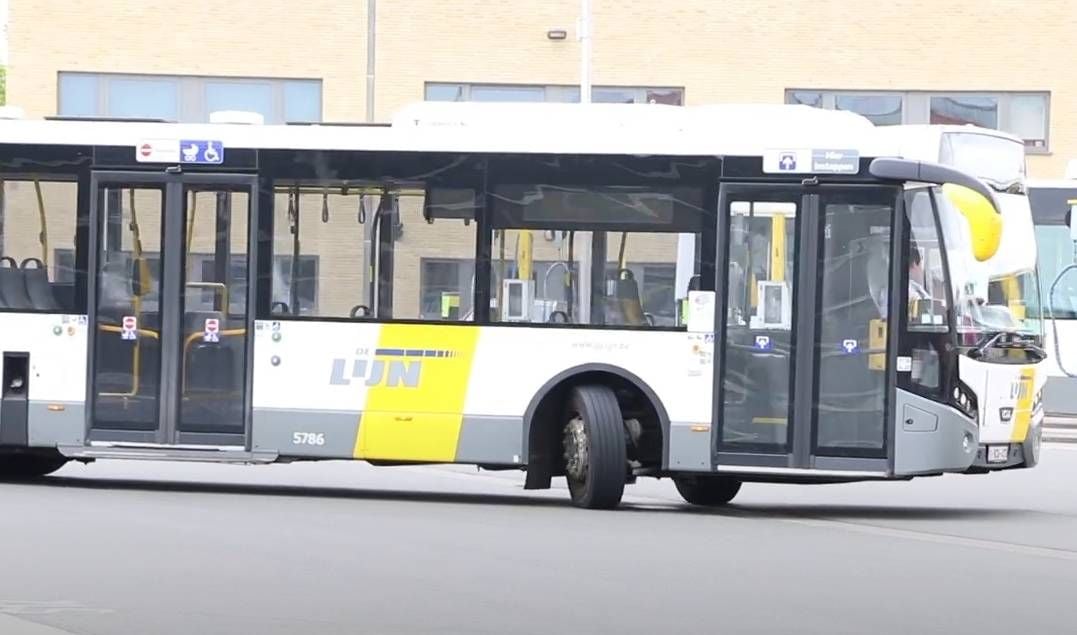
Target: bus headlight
<point x="965" y="400"/>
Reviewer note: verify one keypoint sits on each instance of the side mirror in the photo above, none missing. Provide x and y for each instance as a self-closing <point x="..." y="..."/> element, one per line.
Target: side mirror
<point x="984" y="219"/>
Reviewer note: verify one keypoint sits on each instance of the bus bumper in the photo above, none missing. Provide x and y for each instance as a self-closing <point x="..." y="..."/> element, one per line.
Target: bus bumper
<point x="1003" y="456"/>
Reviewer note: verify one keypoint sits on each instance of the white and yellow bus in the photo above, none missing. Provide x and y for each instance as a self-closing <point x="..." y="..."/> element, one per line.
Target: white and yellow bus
<point x="450" y="289"/>
<point x="1000" y="313"/>
<point x="1053" y="204"/>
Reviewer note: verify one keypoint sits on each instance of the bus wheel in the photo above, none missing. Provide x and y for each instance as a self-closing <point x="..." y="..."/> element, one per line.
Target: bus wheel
<point x="17" y="467"/>
<point x="709" y="491"/>
<point x="594" y="448"/>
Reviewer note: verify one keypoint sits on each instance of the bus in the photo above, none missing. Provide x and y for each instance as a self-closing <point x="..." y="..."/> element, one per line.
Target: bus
<point x="1053" y="202"/>
<point x="448" y="289"/>
<point x="1000" y="322"/>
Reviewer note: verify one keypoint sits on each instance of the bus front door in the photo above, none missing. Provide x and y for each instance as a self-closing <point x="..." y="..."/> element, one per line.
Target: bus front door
<point x="802" y="381"/>
<point x="170" y="308"/>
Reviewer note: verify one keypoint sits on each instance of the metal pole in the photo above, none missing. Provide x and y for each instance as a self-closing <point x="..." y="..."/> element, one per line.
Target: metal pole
<point x="371" y="22"/>
<point x="585" y="241"/>
<point x="585" y="51"/>
<point x="366" y="278"/>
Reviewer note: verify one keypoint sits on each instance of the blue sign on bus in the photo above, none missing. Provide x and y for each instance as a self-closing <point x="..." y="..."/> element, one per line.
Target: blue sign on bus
<point x="207" y="152"/>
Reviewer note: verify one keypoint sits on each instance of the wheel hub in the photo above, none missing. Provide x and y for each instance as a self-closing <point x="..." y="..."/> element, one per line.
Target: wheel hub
<point x="576" y="451"/>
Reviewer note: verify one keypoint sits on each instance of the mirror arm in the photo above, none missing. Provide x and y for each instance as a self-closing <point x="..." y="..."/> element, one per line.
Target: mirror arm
<point x="927" y="172"/>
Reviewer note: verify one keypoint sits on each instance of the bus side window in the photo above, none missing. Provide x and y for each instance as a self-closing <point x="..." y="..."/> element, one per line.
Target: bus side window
<point x="926" y="330"/>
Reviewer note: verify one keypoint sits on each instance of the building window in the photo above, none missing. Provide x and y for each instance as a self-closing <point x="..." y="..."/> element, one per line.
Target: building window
<point x="307" y="277"/>
<point x="187" y="99"/>
<point x="441" y="281"/>
<point x="965" y="109"/>
<point x="1024" y="115"/>
<point x="437" y="91"/>
<point x="882" y="110"/>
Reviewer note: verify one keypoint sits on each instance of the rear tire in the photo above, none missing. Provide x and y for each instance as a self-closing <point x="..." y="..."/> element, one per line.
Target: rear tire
<point x="707" y="491"/>
<point x="593" y="442"/>
<point x="21" y="467"/>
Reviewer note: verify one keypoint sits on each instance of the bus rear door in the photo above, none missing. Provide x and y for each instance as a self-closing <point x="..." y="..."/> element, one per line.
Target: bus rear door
<point x="170" y="308"/>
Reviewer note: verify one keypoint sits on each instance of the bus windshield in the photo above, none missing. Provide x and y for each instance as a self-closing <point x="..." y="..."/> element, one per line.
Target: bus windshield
<point x="1050" y="209"/>
<point x="986" y="303"/>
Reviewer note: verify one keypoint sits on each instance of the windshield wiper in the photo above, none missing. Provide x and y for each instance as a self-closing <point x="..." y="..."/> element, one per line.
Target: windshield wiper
<point x="1027" y="342"/>
<point x="982" y="347"/>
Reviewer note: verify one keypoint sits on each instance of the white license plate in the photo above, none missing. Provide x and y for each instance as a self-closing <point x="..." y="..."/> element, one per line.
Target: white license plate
<point x="998" y="453"/>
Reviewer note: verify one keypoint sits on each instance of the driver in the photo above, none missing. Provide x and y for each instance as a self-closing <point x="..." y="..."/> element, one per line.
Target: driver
<point x="917" y="290"/>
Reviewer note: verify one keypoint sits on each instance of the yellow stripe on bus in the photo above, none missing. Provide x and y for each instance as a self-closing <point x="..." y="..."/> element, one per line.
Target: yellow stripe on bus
<point x="420" y="422"/>
<point x="1022" y="415"/>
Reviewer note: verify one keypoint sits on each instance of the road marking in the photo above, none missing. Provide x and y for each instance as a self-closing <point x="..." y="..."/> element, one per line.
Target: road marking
<point x="45" y="607"/>
<point x="944" y="539"/>
<point x="14" y="614"/>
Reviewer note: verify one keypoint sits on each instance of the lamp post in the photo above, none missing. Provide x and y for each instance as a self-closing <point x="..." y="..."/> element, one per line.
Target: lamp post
<point x="584" y="36"/>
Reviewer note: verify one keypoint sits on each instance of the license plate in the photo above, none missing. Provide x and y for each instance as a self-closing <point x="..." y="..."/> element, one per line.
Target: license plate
<point x="998" y="453"/>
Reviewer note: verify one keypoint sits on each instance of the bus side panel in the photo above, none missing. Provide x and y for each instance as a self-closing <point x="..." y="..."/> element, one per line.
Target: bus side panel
<point x="55" y="349"/>
<point x="1060" y="391"/>
<point x="450" y="393"/>
<point x="515" y="364"/>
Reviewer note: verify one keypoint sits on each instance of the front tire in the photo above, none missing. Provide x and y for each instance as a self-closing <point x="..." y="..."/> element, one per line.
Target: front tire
<point x="21" y="467"/>
<point x="707" y="491"/>
<point x="593" y="440"/>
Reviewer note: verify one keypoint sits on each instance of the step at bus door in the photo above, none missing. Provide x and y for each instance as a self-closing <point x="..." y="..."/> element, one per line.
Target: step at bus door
<point x="171" y="307"/>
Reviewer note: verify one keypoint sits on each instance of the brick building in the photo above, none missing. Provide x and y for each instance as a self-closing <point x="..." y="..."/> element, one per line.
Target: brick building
<point x="997" y="63"/>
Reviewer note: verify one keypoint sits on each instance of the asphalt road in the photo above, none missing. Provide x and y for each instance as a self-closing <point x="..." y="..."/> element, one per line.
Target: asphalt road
<point x="134" y="548"/>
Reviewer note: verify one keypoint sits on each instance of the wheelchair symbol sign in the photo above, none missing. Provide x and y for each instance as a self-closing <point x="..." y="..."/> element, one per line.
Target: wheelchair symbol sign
<point x="202" y="151"/>
<point x="763" y="343"/>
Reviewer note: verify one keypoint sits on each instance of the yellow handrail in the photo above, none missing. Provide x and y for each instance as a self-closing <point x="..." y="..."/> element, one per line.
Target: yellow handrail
<point x="44" y="235"/>
<point x="220" y="287"/>
<point x="136" y="359"/>
<point x="190" y="224"/>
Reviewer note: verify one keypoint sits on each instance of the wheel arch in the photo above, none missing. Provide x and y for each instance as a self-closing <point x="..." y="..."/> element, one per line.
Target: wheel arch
<point x="537" y="447"/>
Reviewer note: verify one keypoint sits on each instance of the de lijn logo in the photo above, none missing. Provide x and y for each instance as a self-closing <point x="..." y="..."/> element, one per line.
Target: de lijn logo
<point x="389" y="367"/>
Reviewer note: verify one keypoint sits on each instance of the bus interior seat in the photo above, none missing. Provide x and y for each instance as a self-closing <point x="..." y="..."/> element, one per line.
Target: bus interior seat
<point x="38" y="288"/>
<point x="13" y="285"/>
<point x="5" y="263"/>
<point x="209" y="366"/>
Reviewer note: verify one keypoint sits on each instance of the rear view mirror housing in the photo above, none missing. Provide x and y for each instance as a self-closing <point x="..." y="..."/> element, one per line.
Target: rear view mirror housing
<point x="967" y="193"/>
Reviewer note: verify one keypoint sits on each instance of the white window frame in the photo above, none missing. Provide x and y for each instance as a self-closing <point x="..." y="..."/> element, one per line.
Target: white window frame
<point x="191" y="92"/>
<point x="552" y="92"/>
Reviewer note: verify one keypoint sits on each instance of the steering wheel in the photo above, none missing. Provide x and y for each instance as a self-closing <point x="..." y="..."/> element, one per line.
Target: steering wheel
<point x="359" y="311"/>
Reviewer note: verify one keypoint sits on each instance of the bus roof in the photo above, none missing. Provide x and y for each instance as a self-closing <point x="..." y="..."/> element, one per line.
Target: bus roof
<point x="1052" y="184"/>
<point x="924" y="141"/>
<point x="643" y="129"/>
